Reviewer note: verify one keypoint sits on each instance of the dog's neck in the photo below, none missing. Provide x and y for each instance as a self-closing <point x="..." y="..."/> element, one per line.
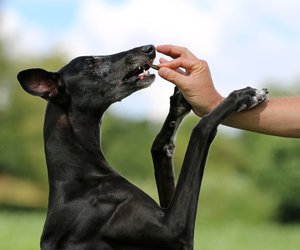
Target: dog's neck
<point x="72" y="145"/>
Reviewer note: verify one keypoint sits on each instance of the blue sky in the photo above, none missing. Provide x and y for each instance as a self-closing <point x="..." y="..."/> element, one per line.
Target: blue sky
<point x="244" y="42"/>
<point x="51" y="15"/>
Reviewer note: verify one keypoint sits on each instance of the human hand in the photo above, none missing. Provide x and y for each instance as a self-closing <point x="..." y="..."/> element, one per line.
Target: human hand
<point x="194" y="80"/>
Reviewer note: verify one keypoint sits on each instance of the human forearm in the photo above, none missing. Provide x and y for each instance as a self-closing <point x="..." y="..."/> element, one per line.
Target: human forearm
<point x="275" y="116"/>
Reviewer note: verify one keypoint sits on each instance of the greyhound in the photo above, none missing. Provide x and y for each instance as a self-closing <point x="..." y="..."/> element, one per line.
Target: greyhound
<point x="91" y="206"/>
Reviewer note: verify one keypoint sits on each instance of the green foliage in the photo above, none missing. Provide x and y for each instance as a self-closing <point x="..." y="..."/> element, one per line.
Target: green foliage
<point x="274" y="164"/>
<point x="126" y="145"/>
<point x="22" y="231"/>
<point x="21" y="123"/>
<point x="245" y="176"/>
<point x="21" y="150"/>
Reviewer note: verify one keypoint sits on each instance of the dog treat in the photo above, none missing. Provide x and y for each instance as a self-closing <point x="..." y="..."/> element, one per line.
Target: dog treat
<point x="153" y="66"/>
<point x="86" y="194"/>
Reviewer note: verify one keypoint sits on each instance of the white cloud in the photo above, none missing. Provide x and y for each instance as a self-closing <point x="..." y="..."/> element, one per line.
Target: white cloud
<point x="21" y="36"/>
<point x="108" y="29"/>
<point x="245" y="42"/>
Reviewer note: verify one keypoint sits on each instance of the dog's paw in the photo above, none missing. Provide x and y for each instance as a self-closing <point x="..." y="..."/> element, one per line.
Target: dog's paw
<point x="178" y="105"/>
<point x="248" y="98"/>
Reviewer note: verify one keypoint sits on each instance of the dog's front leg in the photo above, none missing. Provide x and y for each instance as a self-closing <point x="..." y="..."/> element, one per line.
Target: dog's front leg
<point x="163" y="148"/>
<point x="183" y="206"/>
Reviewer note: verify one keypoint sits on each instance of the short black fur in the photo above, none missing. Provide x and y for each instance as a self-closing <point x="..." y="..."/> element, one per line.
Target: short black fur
<point x="92" y="207"/>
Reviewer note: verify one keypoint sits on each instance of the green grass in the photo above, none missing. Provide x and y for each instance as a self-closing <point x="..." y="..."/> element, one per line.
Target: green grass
<point x="21" y="231"/>
<point x="233" y="218"/>
<point x="245" y="236"/>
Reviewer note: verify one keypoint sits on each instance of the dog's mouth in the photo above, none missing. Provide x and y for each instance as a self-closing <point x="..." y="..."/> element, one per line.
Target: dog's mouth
<point x="140" y="74"/>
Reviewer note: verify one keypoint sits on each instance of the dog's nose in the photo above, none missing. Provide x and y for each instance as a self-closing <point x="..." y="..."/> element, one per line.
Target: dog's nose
<point x="149" y="50"/>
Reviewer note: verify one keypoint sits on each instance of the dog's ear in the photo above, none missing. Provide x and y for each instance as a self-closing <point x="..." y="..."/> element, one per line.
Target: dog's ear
<point x="39" y="82"/>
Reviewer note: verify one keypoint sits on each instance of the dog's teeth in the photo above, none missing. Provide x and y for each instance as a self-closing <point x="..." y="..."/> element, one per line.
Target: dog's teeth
<point x="145" y="72"/>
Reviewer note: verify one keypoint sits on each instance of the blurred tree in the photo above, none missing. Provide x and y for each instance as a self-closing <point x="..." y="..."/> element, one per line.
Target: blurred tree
<point x="275" y="165"/>
<point x="126" y="144"/>
<point x="274" y="162"/>
<point x="21" y="120"/>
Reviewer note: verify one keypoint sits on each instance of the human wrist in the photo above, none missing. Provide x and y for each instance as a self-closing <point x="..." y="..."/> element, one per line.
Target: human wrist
<point x="201" y="109"/>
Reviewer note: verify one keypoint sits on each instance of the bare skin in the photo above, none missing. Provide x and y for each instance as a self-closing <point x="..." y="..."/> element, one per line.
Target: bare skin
<point x="276" y="116"/>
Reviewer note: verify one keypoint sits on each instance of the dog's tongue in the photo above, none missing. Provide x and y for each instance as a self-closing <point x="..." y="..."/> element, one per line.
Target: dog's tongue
<point x="143" y="75"/>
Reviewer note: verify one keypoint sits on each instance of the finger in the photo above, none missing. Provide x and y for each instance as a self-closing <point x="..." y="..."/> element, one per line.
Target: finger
<point x="182" y="72"/>
<point x="173" y="76"/>
<point x="174" y="51"/>
<point x="164" y="61"/>
<point x="185" y="63"/>
<point x="170" y="50"/>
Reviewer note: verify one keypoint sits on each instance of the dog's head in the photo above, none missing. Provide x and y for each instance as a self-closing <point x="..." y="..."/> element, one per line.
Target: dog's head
<point x="93" y="82"/>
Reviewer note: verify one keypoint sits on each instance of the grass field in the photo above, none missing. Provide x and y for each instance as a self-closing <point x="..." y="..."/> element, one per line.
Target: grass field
<point x="228" y="219"/>
<point x="21" y="231"/>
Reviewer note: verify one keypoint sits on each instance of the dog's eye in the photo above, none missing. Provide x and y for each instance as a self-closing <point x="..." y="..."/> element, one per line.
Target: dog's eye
<point x="90" y="62"/>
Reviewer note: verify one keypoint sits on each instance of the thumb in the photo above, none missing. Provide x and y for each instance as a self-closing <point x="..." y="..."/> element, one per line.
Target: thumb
<point x="172" y="76"/>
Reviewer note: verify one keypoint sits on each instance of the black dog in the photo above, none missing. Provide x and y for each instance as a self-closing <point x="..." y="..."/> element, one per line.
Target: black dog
<point x="92" y="207"/>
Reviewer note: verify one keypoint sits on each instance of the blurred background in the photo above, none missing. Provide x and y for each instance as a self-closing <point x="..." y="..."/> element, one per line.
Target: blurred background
<point x="250" y="197"/>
